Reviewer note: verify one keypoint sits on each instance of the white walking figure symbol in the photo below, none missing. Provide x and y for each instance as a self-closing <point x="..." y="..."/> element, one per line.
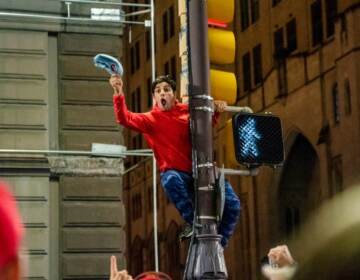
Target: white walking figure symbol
<point x="249" y="135"/>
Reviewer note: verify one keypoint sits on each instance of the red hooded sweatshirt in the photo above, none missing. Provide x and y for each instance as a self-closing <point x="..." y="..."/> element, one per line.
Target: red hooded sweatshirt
<point x="166" y="132"/>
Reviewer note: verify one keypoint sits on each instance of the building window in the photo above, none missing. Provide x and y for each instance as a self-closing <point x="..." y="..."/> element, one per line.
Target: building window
<point x="255" y="10"/>
<point x="165" y="27"/>
<point x="135" y="57"/>
<point x="246" y="72"/>
<point x="171" y="21"/>
<point x="168" y="21"/>
<point x="149" y="93"/>
<point x="275" y="2"/>
<point x="335" y="99"/>
<point x="136" y="144"/>
<point x="316" y="21"/>
<point x="343" y="24"/>
<point x="278" y="41"/>
<point x="133" y="102"/>
<point x="167" y="68"/>
<point x="133" y="208"/>
<point x="132" y="60"/>
<point x="139" y="206"/>
<point x="347" y="97"/>
<point x="257" y="64"/>
<point x="244" y="6"/>
<point x="150" y="200"/>
<point x="136" y="100"/>
<point x="148" y="45"/>
<point x="136" y="206"/>
<point x="282" y="77"/>
<point x="331" y="11"/>
<point x="291" y="35"/>
<point x="337" y="174"/>
<point x="173" y="71"/>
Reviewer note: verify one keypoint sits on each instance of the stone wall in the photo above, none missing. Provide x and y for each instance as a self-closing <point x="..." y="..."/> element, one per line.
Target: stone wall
<point x="51" y="98"/>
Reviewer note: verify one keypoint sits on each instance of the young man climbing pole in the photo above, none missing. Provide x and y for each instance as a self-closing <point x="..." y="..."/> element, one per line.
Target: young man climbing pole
<point x="166" y="130"/>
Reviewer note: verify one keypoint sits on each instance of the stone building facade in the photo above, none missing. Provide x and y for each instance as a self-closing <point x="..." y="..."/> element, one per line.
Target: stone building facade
<point x="53" y="98"/>
<point x="296" y="59"/>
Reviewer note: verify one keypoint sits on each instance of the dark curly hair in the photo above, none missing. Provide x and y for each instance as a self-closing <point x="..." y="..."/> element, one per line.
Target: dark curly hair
<point x="168" y="79"/>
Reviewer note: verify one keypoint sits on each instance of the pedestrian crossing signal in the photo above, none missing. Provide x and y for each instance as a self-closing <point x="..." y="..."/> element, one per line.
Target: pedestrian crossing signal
<point x="258" y="139"/>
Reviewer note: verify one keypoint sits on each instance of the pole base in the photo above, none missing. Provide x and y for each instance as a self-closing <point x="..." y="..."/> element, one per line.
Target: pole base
<point x="206" y="259"/>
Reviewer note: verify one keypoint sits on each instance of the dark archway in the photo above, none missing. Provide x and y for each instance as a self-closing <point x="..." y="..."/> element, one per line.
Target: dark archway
<point x="295" y="195"/>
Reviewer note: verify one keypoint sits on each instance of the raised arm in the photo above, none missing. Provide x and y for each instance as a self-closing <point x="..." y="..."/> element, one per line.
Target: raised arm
<point x="221" y="106"/>
<point x="137" y="121"/>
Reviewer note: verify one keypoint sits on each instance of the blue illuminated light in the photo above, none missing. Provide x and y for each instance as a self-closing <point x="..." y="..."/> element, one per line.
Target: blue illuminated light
<point x="250" y="137"/>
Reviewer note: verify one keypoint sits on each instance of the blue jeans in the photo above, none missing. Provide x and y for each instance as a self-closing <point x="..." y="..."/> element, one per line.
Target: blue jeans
<point x="178" y="187"/>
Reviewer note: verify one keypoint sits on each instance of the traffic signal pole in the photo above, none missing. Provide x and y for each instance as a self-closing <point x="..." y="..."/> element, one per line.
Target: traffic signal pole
<point x="205" y="257"/>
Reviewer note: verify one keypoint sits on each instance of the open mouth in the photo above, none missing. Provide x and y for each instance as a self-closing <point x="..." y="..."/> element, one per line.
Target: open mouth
<point x="163" y="102"/>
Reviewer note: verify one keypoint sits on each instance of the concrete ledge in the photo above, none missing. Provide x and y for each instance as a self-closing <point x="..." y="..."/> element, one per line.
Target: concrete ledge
<point x="87" y="166"/>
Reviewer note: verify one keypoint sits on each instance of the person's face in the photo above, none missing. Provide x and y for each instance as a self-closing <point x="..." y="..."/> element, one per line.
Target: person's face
<point x="164" y="96"/>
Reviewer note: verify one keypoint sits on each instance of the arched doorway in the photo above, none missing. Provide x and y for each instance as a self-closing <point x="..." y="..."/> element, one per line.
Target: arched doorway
<point x="296" y="194"/>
